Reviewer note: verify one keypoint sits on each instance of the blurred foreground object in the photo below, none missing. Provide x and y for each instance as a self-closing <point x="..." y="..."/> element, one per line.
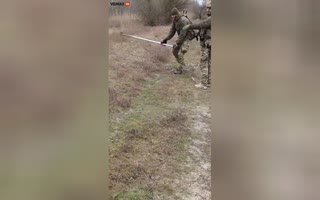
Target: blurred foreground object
<point x="266" y="101"/>
<point x="53" y="100"/>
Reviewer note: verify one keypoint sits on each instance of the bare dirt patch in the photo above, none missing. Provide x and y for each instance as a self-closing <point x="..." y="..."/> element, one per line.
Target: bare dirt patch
<point x="198" y="181"/>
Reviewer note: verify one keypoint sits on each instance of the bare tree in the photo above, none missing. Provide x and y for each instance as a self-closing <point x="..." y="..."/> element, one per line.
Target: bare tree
<point x="157" y="12"/>
<point x="198" y="9"/>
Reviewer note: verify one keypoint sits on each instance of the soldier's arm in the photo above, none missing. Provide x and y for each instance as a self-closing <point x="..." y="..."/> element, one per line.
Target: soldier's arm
<point x="172" y="32"/>
<point x="206" y="24"/>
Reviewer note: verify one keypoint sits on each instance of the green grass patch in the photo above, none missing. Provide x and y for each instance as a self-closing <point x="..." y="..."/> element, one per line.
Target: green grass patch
<point x="135" y="194"/>
<point x="154" y="131"/>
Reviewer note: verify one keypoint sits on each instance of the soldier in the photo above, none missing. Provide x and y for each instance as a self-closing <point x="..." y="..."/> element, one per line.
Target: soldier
<point x="205" y="42"/>
<point x="182" y="44"/>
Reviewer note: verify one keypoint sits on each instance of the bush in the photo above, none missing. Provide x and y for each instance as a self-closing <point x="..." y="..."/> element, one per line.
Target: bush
<point x="158" y="12"/>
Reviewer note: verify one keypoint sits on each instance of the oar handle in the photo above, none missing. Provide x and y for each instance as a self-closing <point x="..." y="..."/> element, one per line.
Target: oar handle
<point x="136" y="37"/>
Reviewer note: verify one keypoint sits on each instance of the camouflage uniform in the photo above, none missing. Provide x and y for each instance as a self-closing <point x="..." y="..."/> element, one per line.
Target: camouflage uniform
<point x="183" y="40"/>
<point x="205" y="42"/>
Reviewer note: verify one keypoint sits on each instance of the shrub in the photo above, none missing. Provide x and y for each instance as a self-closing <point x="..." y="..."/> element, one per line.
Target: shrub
<point x="158" y="12"/>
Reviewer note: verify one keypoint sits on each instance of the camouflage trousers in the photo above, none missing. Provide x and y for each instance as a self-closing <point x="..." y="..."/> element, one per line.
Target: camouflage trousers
<point x="179" y="54"/>
<point x="205" y="65"/>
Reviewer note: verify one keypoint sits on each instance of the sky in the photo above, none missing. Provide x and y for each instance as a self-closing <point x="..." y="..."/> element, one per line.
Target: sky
<point x="200" y="1"/>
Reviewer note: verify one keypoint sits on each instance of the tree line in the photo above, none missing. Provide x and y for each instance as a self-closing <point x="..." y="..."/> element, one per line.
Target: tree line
<point x="157" y="12"/>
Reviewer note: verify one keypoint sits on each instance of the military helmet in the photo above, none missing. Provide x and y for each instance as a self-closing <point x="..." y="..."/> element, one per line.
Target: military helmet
<point x="208" y="4"/>
<point x="174" y="11"/>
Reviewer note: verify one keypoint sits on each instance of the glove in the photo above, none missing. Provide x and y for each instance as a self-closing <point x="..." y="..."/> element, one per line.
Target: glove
<point x="186" y="27"/>
<point x="164" y="41"/>
<point x="175" y="46"/>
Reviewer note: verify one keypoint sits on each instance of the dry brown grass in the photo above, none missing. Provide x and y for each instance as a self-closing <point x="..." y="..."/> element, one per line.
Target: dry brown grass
<point x="161" y="149"/>
<point x="132" y="134"/>
<point x="115" y="36"/>
<point x="125" y="23"/>
<point x="159" y="54"/>
<point x="118" y="100"/>
<point x="132" y="62"/>
<point x="137" y="77"/>
<point x="174" y="118"/>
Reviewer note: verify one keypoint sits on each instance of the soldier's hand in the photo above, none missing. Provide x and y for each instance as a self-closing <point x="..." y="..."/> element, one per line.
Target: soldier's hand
<point x="175" y="46"/>
<point x="164" y="41"/>
<point x="186" y="27"/>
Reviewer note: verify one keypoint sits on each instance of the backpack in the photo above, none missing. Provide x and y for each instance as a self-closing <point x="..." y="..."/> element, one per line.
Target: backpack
<point x="195" y="34"/>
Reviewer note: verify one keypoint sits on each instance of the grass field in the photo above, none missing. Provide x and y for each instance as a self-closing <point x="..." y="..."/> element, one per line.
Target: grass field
<point x="154" y="117"/>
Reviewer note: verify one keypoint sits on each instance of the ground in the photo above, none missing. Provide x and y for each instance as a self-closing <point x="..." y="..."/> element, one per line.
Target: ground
<point x="160" y="137"/>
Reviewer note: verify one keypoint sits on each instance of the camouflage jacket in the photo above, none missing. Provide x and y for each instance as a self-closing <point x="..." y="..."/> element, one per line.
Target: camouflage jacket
<point x="177" y="26"/>
<point x="205" y="27"/>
